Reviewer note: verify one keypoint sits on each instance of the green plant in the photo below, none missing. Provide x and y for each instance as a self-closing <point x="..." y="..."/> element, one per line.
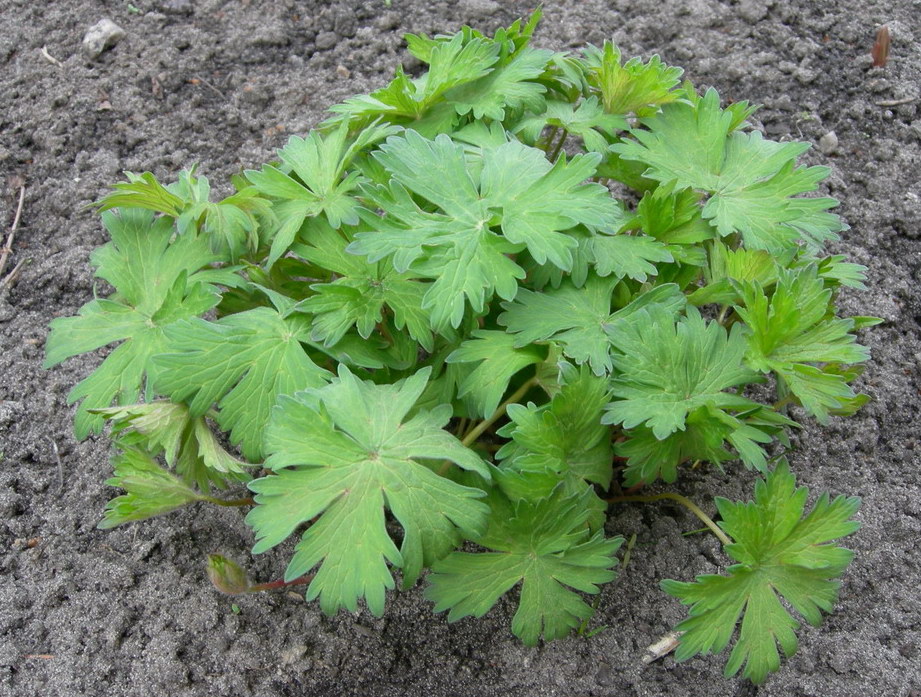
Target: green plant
<point x="436" y="306"/>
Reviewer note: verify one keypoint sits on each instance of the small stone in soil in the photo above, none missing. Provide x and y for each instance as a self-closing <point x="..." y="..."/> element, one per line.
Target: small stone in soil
<point x="101" y="36"/>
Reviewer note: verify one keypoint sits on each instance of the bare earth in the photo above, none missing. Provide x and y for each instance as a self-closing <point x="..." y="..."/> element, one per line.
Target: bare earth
<point x="223" y="83"/>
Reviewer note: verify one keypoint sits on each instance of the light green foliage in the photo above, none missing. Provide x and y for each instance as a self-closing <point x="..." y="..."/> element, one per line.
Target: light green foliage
<point x="344" y="453"/>
<point x="150" y="489"/>
<point x="545" y="546"/>
<point x="783" y="559"/>
<point x="751" y="181"/>
<point x="794" y="328"/>
<point x="242" y="363"/>
<point x="157" y="283"/>
<point x="668" y="369"/>
<point x="441" y="311"/>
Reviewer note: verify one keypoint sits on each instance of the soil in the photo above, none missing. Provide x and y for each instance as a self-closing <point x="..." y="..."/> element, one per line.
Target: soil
<point x="225" y="82"/>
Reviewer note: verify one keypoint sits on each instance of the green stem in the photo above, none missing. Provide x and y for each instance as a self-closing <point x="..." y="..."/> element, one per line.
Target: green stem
<point x="551" y="134"/>
<point x="559" y="147"/>
<point x="484" y="425"/>
<point x="722" y="317"/>
<point x="230" y="503"/>
<point x="684" y="501"/>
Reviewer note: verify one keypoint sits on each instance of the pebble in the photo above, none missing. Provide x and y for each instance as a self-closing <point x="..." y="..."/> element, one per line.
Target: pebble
<point x="478" y="8"/>
<point x="101" y="36"/>
<point x="828" y="143"/>
<point x="326" y="40"/>
<point x="753" y="10"/>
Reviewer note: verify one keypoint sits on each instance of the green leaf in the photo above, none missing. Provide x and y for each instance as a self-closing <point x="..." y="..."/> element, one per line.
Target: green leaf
<point x="564" y="436"/>
<point x="513" y="188"/>
<point x="346" y="452"/>
<point x="451" y="63"/>
<point x="242" y="363"/>
<point x="187" y="444"/>
<point x="321" y="186"/>
<point x="780" y="555"/>
<point x="705" y="437"/>
<point x="545" y="546"/>
<point x="148" y="297"/>
<point x="795" y="326"/>
<point x="667" y="370"/>
<point x="634" y="87"/>
<point x="361" y="294"/>
<point x="150" y="490"/>
<point x="587" y="120"/>
<point x="752" y="182"/>
<point x="579" y="319"/>
<point x="499" y="360"/>
<point x="511" y="85"/>
<point x="628" y="255"/>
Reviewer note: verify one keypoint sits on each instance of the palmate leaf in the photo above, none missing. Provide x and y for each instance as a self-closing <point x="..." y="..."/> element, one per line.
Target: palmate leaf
<point x="514" y="188"/>
<point x="498" y="361"/>
<point x="167" y="287"/>
<point x="322" y="185"/>
<point x="752" y="182"/>
<point x="580" y="319"/>
<point x="795" y="327"/>
<point x="360" y="294"/>
<point x="242" y="363"/>
<point x="632" y="88"/>
<point x="186" y="443"/>
<point x="150" y="489"/>
<point x="232" y="224"/>
<point x="346" y="452"/>
<point x="665" y="370"/>
<point x="512" y="84"/>
<point x="405" y="101"/>
<point x="562" y="443"/>
<point x="708" y="433"/>
<point x="545" y="546"/>
<point x="587" y="120"/>
<point x="780" y="555"/>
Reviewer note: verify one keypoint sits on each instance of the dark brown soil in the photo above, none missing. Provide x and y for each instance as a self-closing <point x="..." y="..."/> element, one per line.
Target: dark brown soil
<point x="224" y="82"/>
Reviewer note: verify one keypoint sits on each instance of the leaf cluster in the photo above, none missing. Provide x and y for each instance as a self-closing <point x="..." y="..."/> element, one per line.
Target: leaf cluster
<point x="432" y="323"/>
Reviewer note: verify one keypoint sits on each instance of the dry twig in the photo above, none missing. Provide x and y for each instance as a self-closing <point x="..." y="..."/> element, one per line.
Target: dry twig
<point x="896" y="102"/>
<point x="51" y="59"/>
<point x="661" y="648"/>
<point x="8" y="247"/>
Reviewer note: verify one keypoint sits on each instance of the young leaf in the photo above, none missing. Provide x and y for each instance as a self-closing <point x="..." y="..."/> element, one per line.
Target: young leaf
<point x="564" y="436"/>
<point x="510" y="85"/>
<point x="780" y="555"/>
<point x="751" y="181"/>
<point x="319" y="163"/>
<point x="187" y="444"/>
<point x="667" y="370"/>
<point x="535" y="202"/>
<point x="580" y="319"/>
<point x="404" y="101"/>
<point x="588" y="121"/>
<point x="242" y="363"/>
<point x="499" y="360"/>
<point x="632" y="88"/>
<point x="628" y="255"/>
<point x="151" y="490"/>
<point x="795" y="326"/>
<point x="545" y="546"/>
<point x="157" y="282"/>
<point x="515" y="188"/>
<point x="346" y="452"/>
<point x="361" y="293"/>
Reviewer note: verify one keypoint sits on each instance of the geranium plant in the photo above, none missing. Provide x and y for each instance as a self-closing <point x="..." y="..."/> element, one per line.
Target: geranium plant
<point x="485" y="304"/>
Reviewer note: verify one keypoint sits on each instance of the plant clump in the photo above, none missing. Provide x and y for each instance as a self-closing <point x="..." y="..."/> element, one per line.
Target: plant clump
<point x="484" y="304"/>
